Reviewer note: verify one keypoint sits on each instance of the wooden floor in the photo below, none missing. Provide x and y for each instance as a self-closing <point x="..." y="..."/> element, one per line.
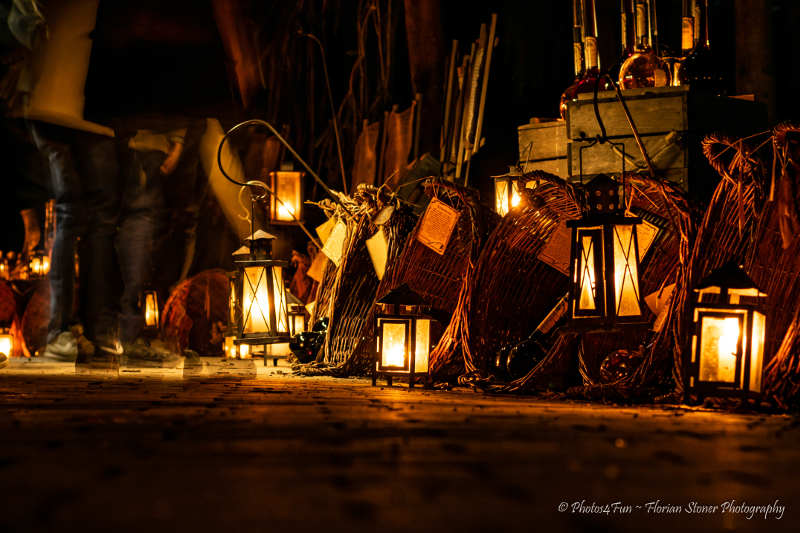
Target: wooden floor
<point x="246" y="449"/>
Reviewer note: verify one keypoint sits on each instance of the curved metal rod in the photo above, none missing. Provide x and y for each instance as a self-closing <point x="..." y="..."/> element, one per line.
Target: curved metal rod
<point x="285" y="143"/>
<point x="333" y="106"/>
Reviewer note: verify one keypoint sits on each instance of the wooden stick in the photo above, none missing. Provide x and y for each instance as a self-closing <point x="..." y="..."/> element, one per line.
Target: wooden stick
<point x="445" y="134"/>
<point x="417" y="120"/>
<point x="465" y="115"/>
<point x="458" y="112"/>
<point x="485" y="87"/>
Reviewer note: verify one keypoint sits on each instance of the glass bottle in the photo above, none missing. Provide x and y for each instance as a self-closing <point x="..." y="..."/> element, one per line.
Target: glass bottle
<point x="643" y="68"/>
<point x="587" y="70"/>
<point x="699" y="70"/>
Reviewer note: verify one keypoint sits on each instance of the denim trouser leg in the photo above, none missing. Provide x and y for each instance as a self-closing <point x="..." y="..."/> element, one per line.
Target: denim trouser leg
<point x="142" y="209"/>
<point x="99" y="272"/>
<point x="69" y="207"/>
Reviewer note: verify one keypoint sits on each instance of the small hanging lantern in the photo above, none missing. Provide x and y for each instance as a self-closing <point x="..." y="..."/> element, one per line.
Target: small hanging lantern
<point x="150" y="311"/>
<point x="4" y="269"/>
<point x="258" y="295"/>
<point x="403" y="336"/>
<point x="727" y="355"/>
<point x="297" y="314"/>
<point x="39" y="264"/>
<point x="604" y="265"/>
<point x="507" y="187"/>
<point x="6" y="342"/>
<point x="286" y="202"/>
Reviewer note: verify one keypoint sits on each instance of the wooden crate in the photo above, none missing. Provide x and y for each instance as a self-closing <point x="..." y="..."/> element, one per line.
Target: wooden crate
<point x="543" y="146"/>
<point x="671" y="122"/>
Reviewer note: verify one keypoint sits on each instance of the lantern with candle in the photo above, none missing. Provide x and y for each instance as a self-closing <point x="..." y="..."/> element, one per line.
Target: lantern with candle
<point x="727" y="352"/>
<point x="404" y="336"/>
<point x="258" y="295"/>
<point x="297" y="314"/>
<point x="507" y="187"/>
<point x="286" y="201"/>
<point x="604" y="265"/>
<point x="150" y="311"/>
<point x="39" y="264"/>
<point x="6" y="342"/>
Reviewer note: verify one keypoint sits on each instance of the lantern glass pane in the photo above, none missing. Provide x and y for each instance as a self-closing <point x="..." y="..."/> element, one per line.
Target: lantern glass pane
<point x="422" y="344"/>
<point x="229" y="348"/>
<point x="6" y="344"/>
<point x="719" y="348"/>
<point x="393" y="348"/>
<point x="298" y="324"/>
<point x="735" y="295"/>
<point x="255" y="298"/>
<point x="587" y="286"/>
<point x="757" y="351"/>
<point x="232" y="302"/>
<point x="286" y="186"/>
<point x="279" y="290"/>
<point x="626" y="276"/>
<point x="501" y="196"/>
<point x="244" y="351"/>
<point x="150" y="310"/>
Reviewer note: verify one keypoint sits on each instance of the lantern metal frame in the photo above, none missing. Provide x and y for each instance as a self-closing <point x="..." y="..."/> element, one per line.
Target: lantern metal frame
<point x="277" y="202"/>
<point x="403" y="306"/>
<point x="716" y="297"/>
<point x="297" y="315"/>
<point x="258" y="255"/>
<point x="512" y="184"/>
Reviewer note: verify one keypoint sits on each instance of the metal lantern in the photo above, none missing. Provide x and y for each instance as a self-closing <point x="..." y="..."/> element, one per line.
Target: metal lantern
<point x="150" y="310"/>
<point x="727" y="355"/>
<point x="6" y="342"/>
<point x="604" y="264"/>
<point x="258" y="294"/>
<point x="286" y="202"/>
<point x="39" y="264"/>
<point x="403" y="336"/>
<point x="297" y="314"/>
<point x="507" y="189"/>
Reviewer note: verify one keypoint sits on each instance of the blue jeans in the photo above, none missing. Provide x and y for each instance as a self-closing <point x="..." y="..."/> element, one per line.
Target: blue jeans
<point x="112" y="198"/>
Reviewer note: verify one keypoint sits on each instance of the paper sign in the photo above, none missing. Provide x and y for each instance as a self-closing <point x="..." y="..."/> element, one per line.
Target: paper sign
<point x="658" y="302"/>
<point x="317" y="268"/>
<point x="324" y="229"/>
<point x="378" y="248"/>
<point x="556" y="250"/>
<point x="334" y="244"/>
<point x="646" y="234"/>
<point x="437" y="226"/>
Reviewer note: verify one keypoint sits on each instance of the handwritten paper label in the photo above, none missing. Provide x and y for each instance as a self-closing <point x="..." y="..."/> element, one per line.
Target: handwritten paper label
<point x="378" y="248"/>
<point x="437" y="226"/>
<point x="646" y="234"/>
<point x="334" y="245"/>
<point x="557" y="249"/>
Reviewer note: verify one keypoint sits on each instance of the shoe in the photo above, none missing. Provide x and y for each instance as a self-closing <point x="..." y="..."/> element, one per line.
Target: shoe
<point x="3" y="360"/>
<point x="100" y="355"/>
<point x="62" y="349"/>
<point x="142" y="353"/>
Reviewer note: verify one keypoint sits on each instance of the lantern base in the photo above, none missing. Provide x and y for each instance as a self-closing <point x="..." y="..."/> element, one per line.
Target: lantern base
<point x="411" y="377"/>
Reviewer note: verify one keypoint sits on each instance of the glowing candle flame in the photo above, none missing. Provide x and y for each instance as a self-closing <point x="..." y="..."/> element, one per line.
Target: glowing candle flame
<point x="6" y="344"/>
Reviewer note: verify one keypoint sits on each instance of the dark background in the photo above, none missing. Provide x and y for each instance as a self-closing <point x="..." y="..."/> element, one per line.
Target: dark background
<point x="184" y="59"/>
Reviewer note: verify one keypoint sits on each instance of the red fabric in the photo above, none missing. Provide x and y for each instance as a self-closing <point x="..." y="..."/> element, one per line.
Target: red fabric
<point x="192" y="310"/>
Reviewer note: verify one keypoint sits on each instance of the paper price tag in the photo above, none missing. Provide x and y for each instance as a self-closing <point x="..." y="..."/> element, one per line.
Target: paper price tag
<point x="557" y="249"/>
<point x="378" y="248"/>
<point x="437" y="226"/>
<point x="334" y="245"/>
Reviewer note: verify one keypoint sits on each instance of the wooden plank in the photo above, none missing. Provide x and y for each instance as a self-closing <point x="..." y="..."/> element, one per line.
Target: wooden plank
<point x="558" y="166"/>
<point x="653" y="111"/>
<point x="542" y="140"/>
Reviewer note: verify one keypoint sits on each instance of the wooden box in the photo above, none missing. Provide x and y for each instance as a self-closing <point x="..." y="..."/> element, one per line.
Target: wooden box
<point x="671" y="122"/>
<point x="543" y="146"/>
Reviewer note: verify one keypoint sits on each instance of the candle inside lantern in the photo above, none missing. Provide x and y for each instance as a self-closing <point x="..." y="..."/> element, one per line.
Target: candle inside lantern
<point x="256" y="301"/>
<point x="720" y="346"/>
<point x="586" y="299"/>
<point x="394" y="344"/>
<point x="45" y="265"/>
<point x="36" y="266"/>
<point x="6" y="344"/>
<point x="150" y="309"/>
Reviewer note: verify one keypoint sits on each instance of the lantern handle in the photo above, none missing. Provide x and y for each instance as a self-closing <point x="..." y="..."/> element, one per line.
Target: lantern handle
<point x="285" y="143"/>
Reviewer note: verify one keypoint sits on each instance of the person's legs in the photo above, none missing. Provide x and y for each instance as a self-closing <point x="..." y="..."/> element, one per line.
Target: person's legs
<point x="54" y="144"/>
<point x="142" y="211"/>
<point x="99" y="272"/>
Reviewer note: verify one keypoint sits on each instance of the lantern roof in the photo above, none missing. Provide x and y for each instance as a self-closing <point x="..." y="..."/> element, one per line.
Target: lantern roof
<point x="260" y="235"/>
<point x="291" y="299"/>
<point x="730" y="275"/>
<point x="402" y="295"/>
<point x="601" y="181"/>
<point x="244" y="250"/>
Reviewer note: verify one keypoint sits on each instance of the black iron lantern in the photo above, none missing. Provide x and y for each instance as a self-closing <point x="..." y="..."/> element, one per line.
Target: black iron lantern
<point x="286" y="201"/>
<point x="604" y="265"/>
<point x="258" y="306"/>
<point x="404" y="336"/>
<point x="727" y="353"/>
<point x="297" y="314"/>
<point x="507" y="191"/>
